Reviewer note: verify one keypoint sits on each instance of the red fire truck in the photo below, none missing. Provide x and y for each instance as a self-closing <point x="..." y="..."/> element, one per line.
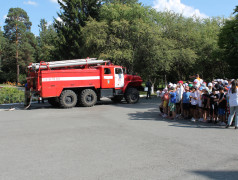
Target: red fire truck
<point x="81" y="82"/>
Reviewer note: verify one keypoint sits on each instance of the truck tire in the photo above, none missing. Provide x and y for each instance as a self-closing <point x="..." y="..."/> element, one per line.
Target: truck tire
<point x="117" y="99"/>
<point x="88" y="98"/>
<point x="53" y="102"/>
<point x="132" y="95"/>
<point x="68" y="99"/>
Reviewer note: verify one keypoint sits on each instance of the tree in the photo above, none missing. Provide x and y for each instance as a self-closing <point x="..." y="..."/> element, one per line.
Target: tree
<point x="228" y="41"/>
<point x="73" y="17"/>
<point x="47" y="39"/>
<point x="17" y="25"/>
<point x="2" y="45"/>
<point x="127" y="35"/>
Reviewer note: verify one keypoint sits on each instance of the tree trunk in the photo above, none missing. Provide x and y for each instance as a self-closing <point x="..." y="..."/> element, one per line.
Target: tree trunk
<point x="17" y="56"/>
<point x="18" y="70"/>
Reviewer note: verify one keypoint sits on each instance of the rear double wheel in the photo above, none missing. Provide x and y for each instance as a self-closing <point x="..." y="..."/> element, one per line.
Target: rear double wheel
<point x="88" y="98"/>
<point x="68" y="99"/>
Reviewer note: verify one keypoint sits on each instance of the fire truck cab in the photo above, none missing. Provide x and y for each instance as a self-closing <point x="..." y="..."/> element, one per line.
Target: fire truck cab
<point x="81" y="82"/>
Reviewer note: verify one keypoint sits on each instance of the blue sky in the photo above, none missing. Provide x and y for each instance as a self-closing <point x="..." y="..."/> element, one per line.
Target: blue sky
<point x="38" y="9"/>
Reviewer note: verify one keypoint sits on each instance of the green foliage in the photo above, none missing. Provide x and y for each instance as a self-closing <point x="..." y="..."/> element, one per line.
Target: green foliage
<point x="2" y="45"/>
<point x="17" y="23"/>
<point x="121" y="1"/>
<point x="116" y="35"/>
<point x="11" y="95"/>
<point x="47" y="48"/>
<point x="73" y="17"/>
<point x="228" y="41"/>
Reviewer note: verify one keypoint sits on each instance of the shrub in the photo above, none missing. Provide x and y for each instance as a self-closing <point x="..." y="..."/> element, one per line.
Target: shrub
<point x="11" y="95"/>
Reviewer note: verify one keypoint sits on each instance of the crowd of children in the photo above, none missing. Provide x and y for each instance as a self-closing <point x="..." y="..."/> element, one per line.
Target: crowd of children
<point x="197" y="101"/>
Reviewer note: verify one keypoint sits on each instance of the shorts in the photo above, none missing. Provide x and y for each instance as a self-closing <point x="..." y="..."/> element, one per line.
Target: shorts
<point x="172" y="107"/>
<point x="221" y="111"/>
<point x="186" y="106"/>
<point x="165" y="104"/>
<point x="205" y="109"/>
<point x="193" y="106"/>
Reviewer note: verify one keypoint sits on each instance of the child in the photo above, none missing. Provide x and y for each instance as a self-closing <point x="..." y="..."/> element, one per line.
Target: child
<point x="166" y="101"/>
<point x="172" y="105"/>
<point x="200" y="93"/>
<point x="213" y="106"/>
<point x="222" y="106"/>
<point x="205" y="103"/>
<point x="194" y="98"/>
<point x="186" y="102"/>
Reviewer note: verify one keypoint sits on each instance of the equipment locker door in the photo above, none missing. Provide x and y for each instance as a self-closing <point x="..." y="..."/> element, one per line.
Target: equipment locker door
<point x="119" y="78"/>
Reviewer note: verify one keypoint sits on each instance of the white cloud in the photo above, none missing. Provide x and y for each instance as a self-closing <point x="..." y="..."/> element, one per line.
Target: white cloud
<point x="54" y="1"/>
<point x="178" y="7"/>
<point x="5" y="17"/>
<point x="33" y="3"/>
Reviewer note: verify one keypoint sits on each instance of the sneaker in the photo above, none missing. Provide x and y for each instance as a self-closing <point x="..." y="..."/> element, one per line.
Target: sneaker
<point x="223" y="124"/>
<point x="193" y="120"/>
<point x="201" y="119"/>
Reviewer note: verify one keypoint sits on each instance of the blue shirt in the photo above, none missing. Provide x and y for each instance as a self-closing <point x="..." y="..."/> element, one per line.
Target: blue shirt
<point x="173" y="97"/>
<point x="186" y="98"/>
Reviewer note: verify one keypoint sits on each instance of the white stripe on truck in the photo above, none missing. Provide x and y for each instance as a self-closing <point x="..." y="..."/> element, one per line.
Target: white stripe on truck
<point x="70" y="78"/>
<point x="108" y="77"/>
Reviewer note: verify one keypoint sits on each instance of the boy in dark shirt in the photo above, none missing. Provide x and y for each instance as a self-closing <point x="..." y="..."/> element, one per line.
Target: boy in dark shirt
<point x="205" y="103"/>
<point x="213" y="106"/>
<point x="222" y="106"/>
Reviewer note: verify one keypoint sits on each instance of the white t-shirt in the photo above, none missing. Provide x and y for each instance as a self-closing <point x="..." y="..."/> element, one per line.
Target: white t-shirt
<point x="194" y="95"/>
<point x="233" y="98"/>
<point x="199" y="99"/>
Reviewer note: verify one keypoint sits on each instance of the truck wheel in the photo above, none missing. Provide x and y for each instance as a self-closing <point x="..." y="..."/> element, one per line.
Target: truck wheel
<point x="117" y="99"/>
<point x="132" y="96"/>
<point x="68" y="99"/>
<point x="88" y="98"/>
<point x="53" y="102"/>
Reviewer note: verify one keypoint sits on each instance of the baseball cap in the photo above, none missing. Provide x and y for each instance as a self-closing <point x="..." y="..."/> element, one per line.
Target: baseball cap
<point x="209" y="84"/>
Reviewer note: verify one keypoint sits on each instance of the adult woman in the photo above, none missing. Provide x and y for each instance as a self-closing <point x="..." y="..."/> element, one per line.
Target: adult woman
<point x="233" y="102"/>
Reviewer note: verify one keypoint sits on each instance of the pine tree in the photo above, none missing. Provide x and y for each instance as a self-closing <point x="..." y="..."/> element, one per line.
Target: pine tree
<point x="73" y="17"/>
<point x="17" y="25"/>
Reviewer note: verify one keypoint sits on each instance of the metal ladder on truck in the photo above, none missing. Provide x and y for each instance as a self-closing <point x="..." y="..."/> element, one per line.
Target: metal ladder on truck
<point x="65" y="63"/>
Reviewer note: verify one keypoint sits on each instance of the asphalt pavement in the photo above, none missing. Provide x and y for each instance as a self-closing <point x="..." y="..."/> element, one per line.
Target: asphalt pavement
<point x="112" y="141"/>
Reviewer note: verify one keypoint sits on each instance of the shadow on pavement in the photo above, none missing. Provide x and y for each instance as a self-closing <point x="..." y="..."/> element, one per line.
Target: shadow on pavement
<point x="153" y="115"/>
<point x="228" y="175"/>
